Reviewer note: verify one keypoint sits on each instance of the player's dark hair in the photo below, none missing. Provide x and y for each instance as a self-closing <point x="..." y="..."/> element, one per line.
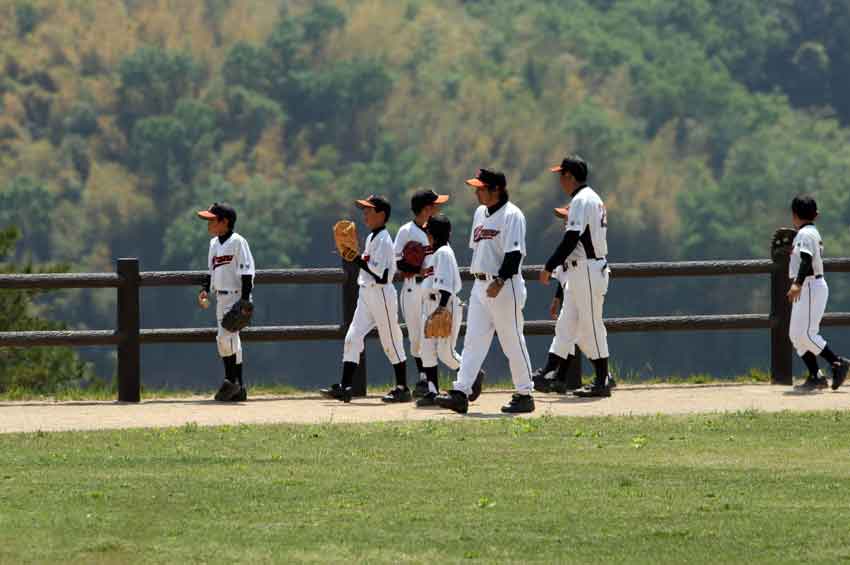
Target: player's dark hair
<point x="576" y="166"/>
<point x="440" y="228"/>
<point x="804" y="207"/>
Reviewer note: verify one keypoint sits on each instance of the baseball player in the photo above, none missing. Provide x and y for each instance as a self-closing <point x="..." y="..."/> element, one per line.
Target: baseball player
<point x="440" y="289"/>
<point x="424" y="204"/>
<point x="582" y="254"/>
<point x="498" y="295"/>
<point x="808" y="295"/>
<point x="553" y="376"/>
<point x="377" y="306"/>
<point x="230" y="279"/>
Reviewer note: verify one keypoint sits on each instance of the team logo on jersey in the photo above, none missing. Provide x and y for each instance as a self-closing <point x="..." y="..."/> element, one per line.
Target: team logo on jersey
<point x="481" y="233"/>
<point x="222" y="260"/>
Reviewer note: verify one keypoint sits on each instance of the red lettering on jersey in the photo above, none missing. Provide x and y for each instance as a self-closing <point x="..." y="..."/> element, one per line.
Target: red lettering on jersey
<point x="481" y="233"/>
<point x="221" y="260"/>
<point x="428" y="272"/>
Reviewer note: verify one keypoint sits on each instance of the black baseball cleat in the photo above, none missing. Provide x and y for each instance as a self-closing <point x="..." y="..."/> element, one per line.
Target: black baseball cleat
<point x="397" y="395"/>
<point x="430" y="399"/>
<point x="421" y="388"/>
<point x="552" y="385"/>
<point x="612" y="384"/>
<point x="812" y="384"/>
<point x="597" y="389"/>
<point x="337" y="392"/>
<point x="453" y="400"/>
<point x="227" y="391"/>
<point x="542" y="379"/>
<point x="477" y="386"/>
<point x="240" y="396"/>
<point x="839" y="372"/>
<point x="519" y="404"/>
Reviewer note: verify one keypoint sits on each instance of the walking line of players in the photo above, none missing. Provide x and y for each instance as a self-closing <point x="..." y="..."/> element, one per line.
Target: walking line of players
<point x="495" y="306"/>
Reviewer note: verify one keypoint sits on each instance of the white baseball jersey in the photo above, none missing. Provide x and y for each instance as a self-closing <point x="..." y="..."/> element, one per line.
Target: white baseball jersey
<point x="807" y="240"/>
<point x="410" y="232"/>
<point x="441" y="271"/>
<point x="494" y="235"/>
<point x="228" y="261"/>
<point x="379" y="254"/>
<point x="587" y="212"/>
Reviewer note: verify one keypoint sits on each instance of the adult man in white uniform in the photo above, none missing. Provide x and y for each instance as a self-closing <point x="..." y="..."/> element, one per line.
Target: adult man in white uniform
<point x="582" y="254"/>
<point x="498" y="295"/>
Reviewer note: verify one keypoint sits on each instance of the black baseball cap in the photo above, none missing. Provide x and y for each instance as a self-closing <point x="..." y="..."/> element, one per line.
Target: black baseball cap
<point x="379" y="203"/>
<point x="491" y="179"/>
<point x="425" y="197"/>
<point x="219" y="211"/>
<point x="575" y="165"/>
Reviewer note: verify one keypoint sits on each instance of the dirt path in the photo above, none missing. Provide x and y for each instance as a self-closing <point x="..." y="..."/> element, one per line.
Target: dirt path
<point x="654" y="399"/>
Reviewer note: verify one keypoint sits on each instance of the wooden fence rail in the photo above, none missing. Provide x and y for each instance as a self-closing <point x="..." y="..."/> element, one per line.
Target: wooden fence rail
<point x="128" y="336"/>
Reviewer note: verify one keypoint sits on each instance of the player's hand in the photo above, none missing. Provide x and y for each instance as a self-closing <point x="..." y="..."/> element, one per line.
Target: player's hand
<point x="794" y="294"/>
<point x="545" y="276"/>
<point x="495" y="288"/>
<point x="203" y="299"/>
<point x="555" y="309"/>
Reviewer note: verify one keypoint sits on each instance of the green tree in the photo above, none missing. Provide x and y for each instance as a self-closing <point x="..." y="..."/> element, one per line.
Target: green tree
<point x="37" y="369"/>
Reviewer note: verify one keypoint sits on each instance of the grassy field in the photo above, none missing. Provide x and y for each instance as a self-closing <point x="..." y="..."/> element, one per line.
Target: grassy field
<point x="746" y="488"/>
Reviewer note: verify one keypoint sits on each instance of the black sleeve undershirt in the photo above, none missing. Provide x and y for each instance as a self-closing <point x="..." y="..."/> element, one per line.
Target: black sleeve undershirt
<point x="444" y="297"/>
<point x="559" y="292"/>
<point x="365" y="266"/>
<point x="510" y="264"/>
<point x="567" y="245"/>
<point x="247" y="287"/>
<point x="205" y="285"/>
<point x="806" y="269"/>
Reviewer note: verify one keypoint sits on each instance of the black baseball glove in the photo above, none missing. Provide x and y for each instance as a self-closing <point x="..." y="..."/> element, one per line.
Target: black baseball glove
<point x="238" y="317"/>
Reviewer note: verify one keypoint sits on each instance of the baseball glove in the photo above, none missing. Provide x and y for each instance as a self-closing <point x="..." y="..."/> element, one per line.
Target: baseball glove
<point x="238" y="316"/>
<point x="345" y="238"/>
<point x="413" y="254"/>
<point x="439" y="323"/>
<point x="782" y="240"/>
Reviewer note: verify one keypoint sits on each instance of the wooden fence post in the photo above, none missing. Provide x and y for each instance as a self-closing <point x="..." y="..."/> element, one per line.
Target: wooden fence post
<point x="129" y="355"/>
<point x="781" y="352"/>
<point x="350" y="293"/>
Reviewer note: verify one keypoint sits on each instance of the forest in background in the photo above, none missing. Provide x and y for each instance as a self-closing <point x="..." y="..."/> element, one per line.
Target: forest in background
<point x="700" y="118"/>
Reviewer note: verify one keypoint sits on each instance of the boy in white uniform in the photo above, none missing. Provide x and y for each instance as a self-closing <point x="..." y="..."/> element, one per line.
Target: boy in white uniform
<point x="230" y="279"/>
<point x="424" y="204"/>
<point x="377" y="306"/>
<point x="440" y="290"/>
<point x="809" y="294"/>
<point x="498" y="295"/>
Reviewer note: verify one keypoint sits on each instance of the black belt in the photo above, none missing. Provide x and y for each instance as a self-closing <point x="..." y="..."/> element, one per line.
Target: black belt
<point x="482" y="276"/>
<point x="227" y="292"/>
<point x="818" y="276"/>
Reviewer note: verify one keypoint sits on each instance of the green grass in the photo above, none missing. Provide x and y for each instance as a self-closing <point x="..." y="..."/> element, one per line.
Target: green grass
<point x="744" y="488"/>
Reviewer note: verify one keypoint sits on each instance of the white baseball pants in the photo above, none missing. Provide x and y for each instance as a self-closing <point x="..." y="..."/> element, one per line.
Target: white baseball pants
<point x="377" y="306"/>
<point x="442" y="348"/>
<point x="229" y="343"/>
<point x="502" y="315"/>
<point x="411" y="310"/>
<point x="806" y="315"/>
<point x="582" y="310"/>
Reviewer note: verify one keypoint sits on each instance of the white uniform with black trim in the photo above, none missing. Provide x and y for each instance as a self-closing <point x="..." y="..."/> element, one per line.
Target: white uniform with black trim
<point x="441" y="273"/>
<point x="807" y="312"/>
<point x="587" y="279"/>
<point x="227" y="263"/>
<point x="492" y="236"/>
<point x="377" y="304"/>
<point x="411" y="291"/>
